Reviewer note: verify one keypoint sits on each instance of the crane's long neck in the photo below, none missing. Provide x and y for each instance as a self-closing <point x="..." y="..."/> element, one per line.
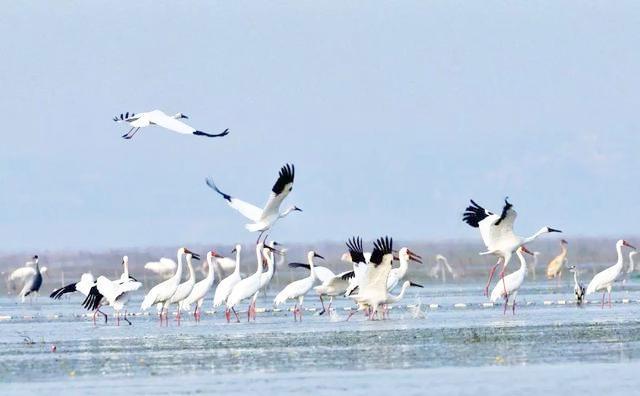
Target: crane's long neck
<point x="312" y="267"/>
<point x="575" y="276"/>
<point x="237" y="269"/>
<point x="192" y="274"/>
<point x="523" y="262"/>
<point x="400" y="296"/>
<point x="535" y="236"/>
<point x="126" y="270"/>
<point x="260" y="258"/>
<point x="404" y="266"/>
<point x="286" y="212"/>
<point x="620" y="259"/>
<point x="631" y="262"/>
<point x="178" y="273"/>
<point x="211" y="272"/>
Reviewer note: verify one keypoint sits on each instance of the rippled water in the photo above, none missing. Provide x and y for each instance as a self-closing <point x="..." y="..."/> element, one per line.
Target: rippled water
<point x="464" y="350"/>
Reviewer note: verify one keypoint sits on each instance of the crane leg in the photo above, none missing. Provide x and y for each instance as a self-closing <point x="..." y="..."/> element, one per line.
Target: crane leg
<point x="125" y="317"/>
<point x="259" y="236"/>
<point x="235" y="313"/>
<point x="610" y="306"/>
<point x="125" y="136"/>
<point x="227" y="314"/>
<point x="493" y="270"/>
<point x="350" y="315"/>
<point x="506" y="302"/>
<point x="323" y="309"/>
<point x="604" y="294"/>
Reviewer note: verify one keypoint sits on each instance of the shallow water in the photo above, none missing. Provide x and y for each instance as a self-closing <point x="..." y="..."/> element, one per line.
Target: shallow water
<point x="448" y="349"/>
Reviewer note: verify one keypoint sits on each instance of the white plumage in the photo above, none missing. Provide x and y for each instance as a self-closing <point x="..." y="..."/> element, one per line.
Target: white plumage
<point x="226" y="285"/>
<point x="264" y="219"/>
<point x="159" y="118"/>
<point x="497" y="233"/>
<point x="604" y="280"/>
<point x="508" y="286"/>
<point x="200" y="289"/>
<point x="299" y="288"/>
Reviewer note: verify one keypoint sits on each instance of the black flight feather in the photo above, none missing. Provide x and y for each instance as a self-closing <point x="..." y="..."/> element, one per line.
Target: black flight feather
<point x="505" y="209"/>
<point x="212" y="185"/>
<point x="381" y="247"/>
<point x="355" y="250"/>
<point x="474" y="214"/>
<point x="285" y="177"/>
<point x="57" y="294"/>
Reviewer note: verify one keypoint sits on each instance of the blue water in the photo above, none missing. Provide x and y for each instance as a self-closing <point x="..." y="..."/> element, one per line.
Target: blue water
<point x="543" y="349"/>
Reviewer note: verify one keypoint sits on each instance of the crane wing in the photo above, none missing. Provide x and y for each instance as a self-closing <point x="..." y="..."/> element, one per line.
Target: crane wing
<point x="280" y="190"/>
<point x="159" y="118"/>
<point x="246" y="209"/>
<point x="21" y="274"/>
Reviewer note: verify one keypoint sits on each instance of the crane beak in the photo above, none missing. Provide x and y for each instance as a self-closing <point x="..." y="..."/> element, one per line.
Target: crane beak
<point x="627" y="244"/>
<point x="234" y="250"/>
<point x="215" y="254"/>
<point x="553" y="230"/>
<point x="525" y="250"/>
<point x="318" y="256"/>
<point x="297" y="209"/>
<point x="415" y="284"/>
<point x="414" y="257"/>
<point x="276" y="251"/>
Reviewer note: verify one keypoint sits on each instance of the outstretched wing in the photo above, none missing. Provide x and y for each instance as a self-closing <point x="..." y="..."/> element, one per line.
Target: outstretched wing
<point x="503" y="226"/>
<point x="58" y="293"/>
<point x="108" y="289"/>
<point x="126" y="117"/>
<point x="474" y="214"/>
<point x="248" y="210"/>
<point x="93" y="300"/>
<point x="280" y="190"/>
<point x="355" y="250"/>
<point x="161" y="119"/>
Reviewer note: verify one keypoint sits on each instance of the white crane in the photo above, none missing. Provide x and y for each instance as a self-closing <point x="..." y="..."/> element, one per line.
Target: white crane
<point x="604" y="280"/>
<point x="116" y="293"/>
<point x="359" y="259"/>
<point x="165" y="267"/>
<point x="372" y="291"/>
<point x="32" y="283"/>
<point x="497" y="233"/>
<point x="159" y="118"/>
<point x="632" y="267"/>
<point x="398" y="273"/>
<point x="510" y="284"/>
<point x="87" y="281"/>
<point x="266" y="276"/>
<point x="184" y="288"/>
<point x="248" y="286"/>
<point x="391" y="299"/>
<point x="578" y="288"/>
<point x="441" y="268"/>
<point x="298" y="289"/>
<point x="263" y="219"/>
<point x="226" y="285"/>
<point x="200" y="289"/>
<point x="162" y="292"/>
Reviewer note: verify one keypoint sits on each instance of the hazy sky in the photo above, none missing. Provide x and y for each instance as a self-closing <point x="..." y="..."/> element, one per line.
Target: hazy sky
<point x="394" y="114"/>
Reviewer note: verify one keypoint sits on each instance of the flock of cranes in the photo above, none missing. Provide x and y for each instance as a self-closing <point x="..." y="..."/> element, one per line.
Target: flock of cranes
<point x="369" y="284"/>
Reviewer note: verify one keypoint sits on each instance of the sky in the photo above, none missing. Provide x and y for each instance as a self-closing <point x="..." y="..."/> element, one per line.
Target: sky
<point x="395" y="114"/>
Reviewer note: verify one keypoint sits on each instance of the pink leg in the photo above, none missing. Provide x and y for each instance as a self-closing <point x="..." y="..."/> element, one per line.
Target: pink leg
<point x="506" y="301"/>
<point x="504" y="285"/>
<point x="350" y="315"/>
<point x="94" y="317"/>
<point x="235" y="313"/>
<point x="493" y="270"/>
<point x="227" y="314"/>
<point x="513" y="309"/>
<point x="117" y="318"/>
<point x="603" y="296"/>
<point x="295" y="313"/>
